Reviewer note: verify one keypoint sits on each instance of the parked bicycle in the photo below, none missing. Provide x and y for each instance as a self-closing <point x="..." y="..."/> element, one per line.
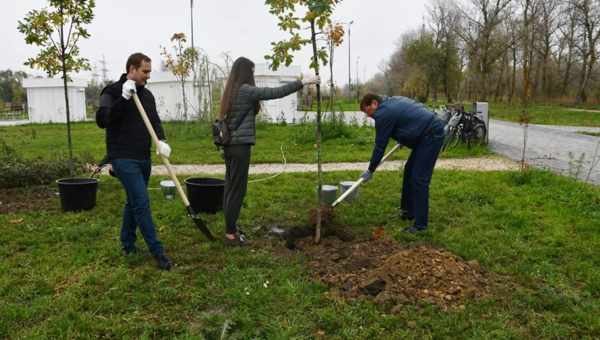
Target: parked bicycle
<point x="463" y="127"/>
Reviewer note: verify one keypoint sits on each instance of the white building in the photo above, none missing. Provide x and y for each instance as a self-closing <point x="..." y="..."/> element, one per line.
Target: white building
<point x="286" y="108"/>
<point x="46" y="100"/>
<point x="166" y="89"/>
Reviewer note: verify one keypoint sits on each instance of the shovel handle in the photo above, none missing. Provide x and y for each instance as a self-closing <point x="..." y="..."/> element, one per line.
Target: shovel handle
<point x="361" y="180"/>
<point x="164" y="159"/>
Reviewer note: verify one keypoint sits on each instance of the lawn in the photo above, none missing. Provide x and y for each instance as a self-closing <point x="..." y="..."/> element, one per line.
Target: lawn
<point x="341" y="105"/>
<point x="192" y="143"/>
<point x="549" y="114"/>
<point x="593" y="134"/>
<point x="546" y="114"/>
<point x="62" y="275"/>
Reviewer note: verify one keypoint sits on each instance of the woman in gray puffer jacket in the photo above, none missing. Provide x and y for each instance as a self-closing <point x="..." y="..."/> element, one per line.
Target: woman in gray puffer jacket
<point x="241" y="101"/>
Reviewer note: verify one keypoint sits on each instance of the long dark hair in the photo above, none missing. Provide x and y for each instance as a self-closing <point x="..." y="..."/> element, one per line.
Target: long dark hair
<point x="242" y="72"/>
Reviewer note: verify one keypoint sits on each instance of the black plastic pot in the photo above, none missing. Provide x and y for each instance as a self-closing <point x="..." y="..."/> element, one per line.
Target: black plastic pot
<point x="205" y="194"/>
<point x="77" y="194"/>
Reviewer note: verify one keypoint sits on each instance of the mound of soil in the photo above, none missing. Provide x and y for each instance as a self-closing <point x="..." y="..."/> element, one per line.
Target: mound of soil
<point x="27" y="199"/>
<point x="382" y="270"/>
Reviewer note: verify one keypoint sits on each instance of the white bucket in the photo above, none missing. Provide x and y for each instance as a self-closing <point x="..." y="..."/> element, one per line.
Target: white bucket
<point x="168" y="189"/>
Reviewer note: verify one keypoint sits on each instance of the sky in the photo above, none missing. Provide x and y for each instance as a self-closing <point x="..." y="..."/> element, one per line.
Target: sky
<point x="238" y="27"/>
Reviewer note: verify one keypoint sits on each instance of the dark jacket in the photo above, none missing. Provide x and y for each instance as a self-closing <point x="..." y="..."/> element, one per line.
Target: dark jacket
<point x="126" y="134"/>
<point x="245" y="101"/>
<point x="401" y="119"/>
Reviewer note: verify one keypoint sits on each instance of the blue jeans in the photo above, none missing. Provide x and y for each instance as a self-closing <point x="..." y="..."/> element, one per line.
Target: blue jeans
<point x="134" y="175"/>
<point x="417" y="174"/>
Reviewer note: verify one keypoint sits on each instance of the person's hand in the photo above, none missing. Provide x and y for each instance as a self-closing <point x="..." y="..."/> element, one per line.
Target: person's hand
<point x="367" y="175"/>
<point x="163" y="149"/>
<point x="311" y="80"/>
<point x="128" y="87"/>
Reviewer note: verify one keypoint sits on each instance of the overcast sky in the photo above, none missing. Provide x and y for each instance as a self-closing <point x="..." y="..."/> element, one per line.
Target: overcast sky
<point x="240" y="27"/>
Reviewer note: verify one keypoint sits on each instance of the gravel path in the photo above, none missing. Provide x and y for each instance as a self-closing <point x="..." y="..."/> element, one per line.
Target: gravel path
<point x="490" y="163"/>
<point x="551" y="147"/>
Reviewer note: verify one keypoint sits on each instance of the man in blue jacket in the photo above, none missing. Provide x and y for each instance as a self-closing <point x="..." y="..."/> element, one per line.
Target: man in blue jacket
<point x="411" y="124"/>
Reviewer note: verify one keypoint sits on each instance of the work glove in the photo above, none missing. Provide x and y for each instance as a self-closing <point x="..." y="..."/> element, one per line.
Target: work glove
<point x="367" y="175"/>
<point x="311" y="80"/>
<point x="128" y="86"/>
<point x="163" y="149"/>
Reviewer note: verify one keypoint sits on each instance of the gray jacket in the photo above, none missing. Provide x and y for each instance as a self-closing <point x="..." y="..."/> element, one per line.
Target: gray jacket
<point x="245" y="101"/>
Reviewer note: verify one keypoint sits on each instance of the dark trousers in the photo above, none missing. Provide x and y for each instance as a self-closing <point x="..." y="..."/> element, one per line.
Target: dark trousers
<point x="134" y="175"/>
<point x="237" y="163"/>
<point x="417" y="174"/>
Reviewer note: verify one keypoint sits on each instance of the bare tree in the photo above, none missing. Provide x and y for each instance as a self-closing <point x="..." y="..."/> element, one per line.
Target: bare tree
<point x="445" y="21"/>
<point x="546" y="26"/>
<point x="588" y="14"/>
<point x="567" y="30"/>
<point x="530" y="10"/>
<point x="479" y="32"/>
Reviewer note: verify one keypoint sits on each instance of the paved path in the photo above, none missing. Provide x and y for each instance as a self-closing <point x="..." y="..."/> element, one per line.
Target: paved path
<point x="13" y="122"/>
<point x="553" y="147"/>
<point x="490" y="163"/>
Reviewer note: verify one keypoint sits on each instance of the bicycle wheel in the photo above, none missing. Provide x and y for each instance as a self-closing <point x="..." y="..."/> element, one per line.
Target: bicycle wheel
<point x="449" y="138"/>
<point x="478" y="136"/>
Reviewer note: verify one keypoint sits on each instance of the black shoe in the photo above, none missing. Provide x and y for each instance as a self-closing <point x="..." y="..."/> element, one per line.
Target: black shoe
<point x="414" y="229"/>
<point x="130" y="251"/>
<point x="163" y="262"/>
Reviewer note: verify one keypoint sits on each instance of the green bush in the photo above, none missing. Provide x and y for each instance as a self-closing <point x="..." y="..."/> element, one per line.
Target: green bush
<point x="16" y="171"/>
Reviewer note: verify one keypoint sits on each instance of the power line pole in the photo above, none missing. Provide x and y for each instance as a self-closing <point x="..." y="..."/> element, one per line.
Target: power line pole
<point x="104" y="69"/>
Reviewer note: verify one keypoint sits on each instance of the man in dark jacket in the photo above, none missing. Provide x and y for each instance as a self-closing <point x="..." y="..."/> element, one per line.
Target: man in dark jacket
<point x="412" y="125"/>
<point x="128" y="146"/>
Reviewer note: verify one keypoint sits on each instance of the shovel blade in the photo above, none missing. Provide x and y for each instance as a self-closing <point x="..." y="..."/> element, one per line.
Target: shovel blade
<point x="200" y="224"/>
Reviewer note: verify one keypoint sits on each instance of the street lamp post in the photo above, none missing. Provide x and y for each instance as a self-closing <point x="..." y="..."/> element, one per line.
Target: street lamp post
<point x="357" y="82"/>
<point x="349" y="62"/>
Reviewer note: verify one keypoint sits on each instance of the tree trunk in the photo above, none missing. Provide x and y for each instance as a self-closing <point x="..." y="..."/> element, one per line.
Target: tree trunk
<point x="581" y="92"/>
<point x="185" y="107"/>
<point x="318" y="133"/>
<point x="65" y="87"/>
<point x="513" y="82"/>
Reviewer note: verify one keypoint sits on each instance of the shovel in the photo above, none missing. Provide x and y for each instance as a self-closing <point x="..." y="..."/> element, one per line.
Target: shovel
<point x="361" y="180"/>
<point x="197" y="220"/>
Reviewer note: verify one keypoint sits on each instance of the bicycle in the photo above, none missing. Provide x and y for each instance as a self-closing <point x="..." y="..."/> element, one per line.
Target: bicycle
<point x="463" y="127"/>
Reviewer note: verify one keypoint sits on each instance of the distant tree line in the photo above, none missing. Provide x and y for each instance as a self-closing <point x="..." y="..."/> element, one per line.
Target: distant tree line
<point x="498" y="50"/>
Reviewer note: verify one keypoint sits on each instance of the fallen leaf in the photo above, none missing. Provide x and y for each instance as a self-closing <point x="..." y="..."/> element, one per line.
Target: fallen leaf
<point x="17" y="221"/>
<point x="378" y="233"/>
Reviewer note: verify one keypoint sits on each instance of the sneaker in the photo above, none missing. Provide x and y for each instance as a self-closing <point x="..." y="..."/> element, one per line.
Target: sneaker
<point x="414" y="229"/>
<point x="239" y="240"/>
<point x="163" y="262"/>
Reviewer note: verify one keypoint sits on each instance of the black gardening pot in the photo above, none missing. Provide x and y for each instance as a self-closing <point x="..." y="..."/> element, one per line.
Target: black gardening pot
<point x="205" y="194"/>
<point x="77" y="194"/>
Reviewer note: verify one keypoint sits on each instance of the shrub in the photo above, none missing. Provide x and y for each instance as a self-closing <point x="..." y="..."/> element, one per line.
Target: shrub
<point x="16" y="171"/>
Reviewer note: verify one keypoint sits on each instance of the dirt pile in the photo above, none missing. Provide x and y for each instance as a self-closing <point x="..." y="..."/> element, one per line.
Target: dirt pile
<point x="392" y="275"/>
<point x="27" y="199"/>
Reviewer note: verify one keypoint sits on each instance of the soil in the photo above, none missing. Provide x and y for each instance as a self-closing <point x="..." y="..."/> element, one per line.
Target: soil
<point x="16" y="200"/>
<point x="382" y="270"/>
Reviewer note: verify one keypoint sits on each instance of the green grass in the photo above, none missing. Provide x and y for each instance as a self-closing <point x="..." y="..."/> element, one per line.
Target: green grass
<point x="62" y="275"/>
<point x="545" y="114"/>
<point x="343" y="105"/>
<point x="593" y="134"/>
<point x="192" y="143"/>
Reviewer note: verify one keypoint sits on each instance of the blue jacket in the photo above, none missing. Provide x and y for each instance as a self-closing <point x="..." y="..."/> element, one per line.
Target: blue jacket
<point x="401" y="119"/>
